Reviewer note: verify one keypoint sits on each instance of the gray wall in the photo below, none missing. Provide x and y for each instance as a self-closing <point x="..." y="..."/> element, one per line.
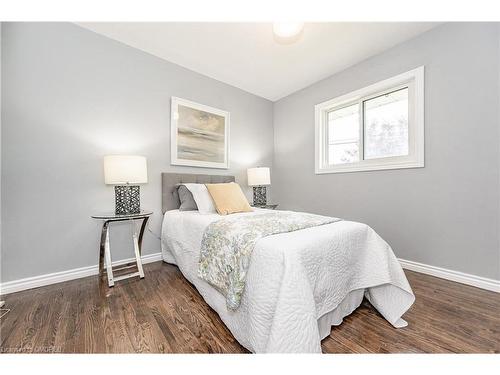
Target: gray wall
<point x="446" y="214"/>
<point x="70" y="97"/>
<point x="0" y="149"/>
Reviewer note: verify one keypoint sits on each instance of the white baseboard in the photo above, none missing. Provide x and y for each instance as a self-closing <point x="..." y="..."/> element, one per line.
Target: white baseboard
<point x="58" y="277"/>
<point x="77" y="273"/>
<point x="459" y="277"/>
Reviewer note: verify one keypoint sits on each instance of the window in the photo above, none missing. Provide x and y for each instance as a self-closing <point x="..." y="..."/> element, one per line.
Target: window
<point x="377" y="127"/>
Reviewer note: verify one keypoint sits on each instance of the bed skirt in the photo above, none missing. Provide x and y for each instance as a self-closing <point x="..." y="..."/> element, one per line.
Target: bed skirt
<point x="335" y="317"/>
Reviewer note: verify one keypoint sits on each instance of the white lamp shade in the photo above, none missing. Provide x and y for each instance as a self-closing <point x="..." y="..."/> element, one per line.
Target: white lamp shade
<point x="125" y="169"/>
<point x="258" y="176"/>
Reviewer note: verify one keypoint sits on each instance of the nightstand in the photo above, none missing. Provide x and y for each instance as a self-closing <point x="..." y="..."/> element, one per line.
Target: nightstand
<point x="105" y="249"/>
<point x="268" y="206"/>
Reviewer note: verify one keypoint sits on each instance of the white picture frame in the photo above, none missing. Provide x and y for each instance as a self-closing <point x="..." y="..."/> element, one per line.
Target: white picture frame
<point x="192" y="155"/>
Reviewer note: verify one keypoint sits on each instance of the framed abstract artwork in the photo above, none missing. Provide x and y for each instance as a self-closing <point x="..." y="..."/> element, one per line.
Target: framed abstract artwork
<point x="199" y="135"/>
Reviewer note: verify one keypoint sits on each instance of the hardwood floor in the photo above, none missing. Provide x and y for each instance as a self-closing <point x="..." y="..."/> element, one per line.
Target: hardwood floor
<point x="165" y="314"/>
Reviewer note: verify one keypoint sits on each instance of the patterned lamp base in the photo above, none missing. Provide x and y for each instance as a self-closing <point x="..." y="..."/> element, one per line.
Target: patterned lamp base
<point x="259" y="195"/>
<point x="127" y="200"/>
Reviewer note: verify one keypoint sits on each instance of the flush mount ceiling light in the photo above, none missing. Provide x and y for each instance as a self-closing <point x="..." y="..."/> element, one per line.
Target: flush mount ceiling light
<point x="287" y="31"/>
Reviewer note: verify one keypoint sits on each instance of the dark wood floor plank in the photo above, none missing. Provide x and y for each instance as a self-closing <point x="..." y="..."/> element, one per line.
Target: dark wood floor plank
<point x="164" y="313"/>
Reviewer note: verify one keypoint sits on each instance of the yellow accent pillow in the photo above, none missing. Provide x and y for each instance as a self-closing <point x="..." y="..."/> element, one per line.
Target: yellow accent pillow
<point x="228" y="198"/>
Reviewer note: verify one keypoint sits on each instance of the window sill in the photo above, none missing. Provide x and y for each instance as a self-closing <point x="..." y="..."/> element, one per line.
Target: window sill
<point x="357" y="167"/>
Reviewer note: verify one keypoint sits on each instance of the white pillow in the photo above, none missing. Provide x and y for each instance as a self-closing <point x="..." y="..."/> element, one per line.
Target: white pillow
<point x="202" y="198"/>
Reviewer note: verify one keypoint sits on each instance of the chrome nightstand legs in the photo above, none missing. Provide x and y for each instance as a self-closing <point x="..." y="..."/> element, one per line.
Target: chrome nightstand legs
<point x="107" y="256"/>
<point x="138" y="256"/>
<point x="104" y="251"/>
<point x="105" y="262"/>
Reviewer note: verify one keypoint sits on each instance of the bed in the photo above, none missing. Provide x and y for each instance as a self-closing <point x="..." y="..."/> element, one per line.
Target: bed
<point x="299" y="284"/>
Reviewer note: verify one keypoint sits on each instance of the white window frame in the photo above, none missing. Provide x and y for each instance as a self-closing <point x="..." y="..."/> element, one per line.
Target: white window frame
<point x="414" y="80"/>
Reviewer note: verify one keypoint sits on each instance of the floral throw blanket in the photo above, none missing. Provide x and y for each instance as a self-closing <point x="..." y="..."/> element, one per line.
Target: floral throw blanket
<point x="227" y="246"/>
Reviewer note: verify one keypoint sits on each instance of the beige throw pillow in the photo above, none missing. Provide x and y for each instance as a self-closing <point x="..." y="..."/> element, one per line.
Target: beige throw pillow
<point x="228" y="198"/>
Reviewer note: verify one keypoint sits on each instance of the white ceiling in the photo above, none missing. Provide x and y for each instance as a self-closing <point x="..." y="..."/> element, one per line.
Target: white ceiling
<point x="247" y="56"/>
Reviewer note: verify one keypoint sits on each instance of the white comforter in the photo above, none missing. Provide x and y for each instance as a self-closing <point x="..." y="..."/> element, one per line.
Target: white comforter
<point x="298" y="283"/>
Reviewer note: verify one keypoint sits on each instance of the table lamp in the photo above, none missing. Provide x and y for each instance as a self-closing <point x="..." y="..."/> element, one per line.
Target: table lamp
<point x="258" y="178"/>
<point x="125" y="172"/>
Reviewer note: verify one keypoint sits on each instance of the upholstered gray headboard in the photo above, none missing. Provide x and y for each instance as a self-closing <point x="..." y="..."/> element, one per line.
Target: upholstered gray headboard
<point x="169" y="197"/>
